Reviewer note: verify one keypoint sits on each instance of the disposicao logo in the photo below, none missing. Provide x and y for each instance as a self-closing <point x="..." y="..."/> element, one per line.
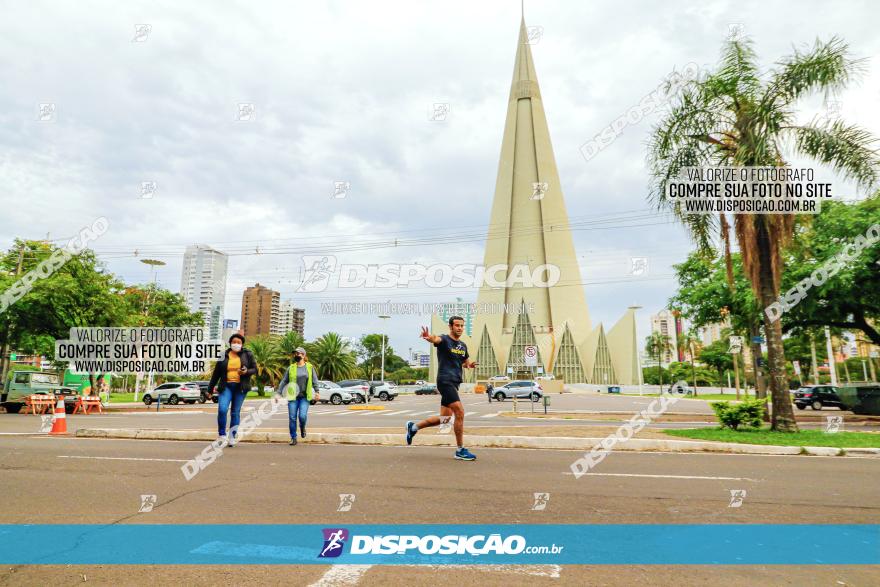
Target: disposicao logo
<point x="334" y="541"/>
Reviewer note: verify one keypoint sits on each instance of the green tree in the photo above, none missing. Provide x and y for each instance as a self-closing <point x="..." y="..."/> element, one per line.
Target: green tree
<point x="289" y="343"/>
<point x="78" y="293"/>
<point x="716" y="356"/>
<point x="269" y="359"/>
<point x="369" y="350"/>
<point x="738" y="116"/>
<point x="656" y="345"/>
<point x="333" y="358"/>
<point x="150" y="305"/>
<point x="849" y="299"/>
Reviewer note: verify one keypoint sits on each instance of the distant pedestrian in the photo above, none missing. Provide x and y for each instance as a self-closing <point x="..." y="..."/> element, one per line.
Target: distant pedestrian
<point x="489" y="391"/>
<point x="299" y="381"/>
<point x="233" y="376"/>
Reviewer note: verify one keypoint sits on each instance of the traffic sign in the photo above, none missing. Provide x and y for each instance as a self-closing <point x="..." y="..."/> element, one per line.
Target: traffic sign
<point x="735" y="344"/>
<point x="530" y="354"/>
<point x="758" y="340"/>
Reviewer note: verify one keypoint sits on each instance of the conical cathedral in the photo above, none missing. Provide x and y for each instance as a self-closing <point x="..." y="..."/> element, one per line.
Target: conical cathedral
<point x="529" y="228"/>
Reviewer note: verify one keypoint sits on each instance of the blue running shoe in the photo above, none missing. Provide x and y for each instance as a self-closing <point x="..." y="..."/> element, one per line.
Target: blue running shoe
<point x="410" y="431"/>
<point x="464" y="454"/>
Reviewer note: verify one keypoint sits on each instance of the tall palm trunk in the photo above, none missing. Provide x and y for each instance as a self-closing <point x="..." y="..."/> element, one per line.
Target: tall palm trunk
<point x="783" y="415"/>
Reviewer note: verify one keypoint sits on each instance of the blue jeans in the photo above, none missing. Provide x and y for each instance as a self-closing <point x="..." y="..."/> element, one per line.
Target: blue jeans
<point x="298" y="409"/>
<point x="232" y="393"/>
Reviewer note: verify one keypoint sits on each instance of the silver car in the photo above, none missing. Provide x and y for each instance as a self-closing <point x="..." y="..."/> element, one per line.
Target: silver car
<point x="174" y="393"/>
<point x="519" y="389"/>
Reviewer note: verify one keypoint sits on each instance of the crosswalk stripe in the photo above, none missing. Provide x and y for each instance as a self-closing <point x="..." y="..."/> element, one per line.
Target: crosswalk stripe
<point x="489" y="415"/>
<point x="423" y="413"/>
<point x="397" y="413"/>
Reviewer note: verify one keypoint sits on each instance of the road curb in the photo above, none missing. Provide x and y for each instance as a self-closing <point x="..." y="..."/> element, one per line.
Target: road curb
<point x="528" y="442"/>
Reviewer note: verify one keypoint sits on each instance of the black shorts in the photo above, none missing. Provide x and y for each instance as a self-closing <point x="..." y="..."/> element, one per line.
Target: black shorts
<point x="448" y="393"/>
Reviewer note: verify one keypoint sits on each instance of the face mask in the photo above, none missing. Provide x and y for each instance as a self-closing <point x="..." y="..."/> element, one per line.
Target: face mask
<point x="296" y="358"/>
<point x="236" y="347"/>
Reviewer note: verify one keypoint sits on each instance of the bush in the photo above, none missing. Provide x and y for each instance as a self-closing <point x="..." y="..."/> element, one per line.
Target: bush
<point x="749" y="412"/>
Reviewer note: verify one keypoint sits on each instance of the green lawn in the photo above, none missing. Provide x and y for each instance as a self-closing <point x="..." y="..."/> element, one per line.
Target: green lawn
<point x="766" y="436"/>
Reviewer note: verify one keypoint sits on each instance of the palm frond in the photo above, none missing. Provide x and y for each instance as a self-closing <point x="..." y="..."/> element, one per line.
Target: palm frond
<point x="848" y="149"/>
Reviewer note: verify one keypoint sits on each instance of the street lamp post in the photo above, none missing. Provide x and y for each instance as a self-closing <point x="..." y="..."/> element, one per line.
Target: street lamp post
<point x="383" y="348"/>
<point x="638" y="354"/>
<point x="153" y="263"/>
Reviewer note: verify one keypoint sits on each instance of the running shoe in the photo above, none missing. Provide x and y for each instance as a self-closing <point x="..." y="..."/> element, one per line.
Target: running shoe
<point x="464" y="454"/>
<point x="411" y="430"/>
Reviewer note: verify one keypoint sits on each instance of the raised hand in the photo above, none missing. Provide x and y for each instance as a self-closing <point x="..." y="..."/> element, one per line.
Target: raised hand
<point x="425" y="334"/>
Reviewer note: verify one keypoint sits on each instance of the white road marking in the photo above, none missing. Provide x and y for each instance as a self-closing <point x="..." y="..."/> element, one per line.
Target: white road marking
<point x="423" y="413"/>
<point x="666" y="476"/>
<point x="398" y="413"/>
<point x="341" y="575"/>
<point x="121" y="459"/>
<point x="490" y="415"/>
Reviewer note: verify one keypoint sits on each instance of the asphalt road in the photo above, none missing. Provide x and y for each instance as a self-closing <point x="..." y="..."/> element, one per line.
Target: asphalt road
<point x="69" y="480"/>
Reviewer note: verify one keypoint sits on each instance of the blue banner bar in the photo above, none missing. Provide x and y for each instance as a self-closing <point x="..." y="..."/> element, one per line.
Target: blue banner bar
<point x="635" y="544"/>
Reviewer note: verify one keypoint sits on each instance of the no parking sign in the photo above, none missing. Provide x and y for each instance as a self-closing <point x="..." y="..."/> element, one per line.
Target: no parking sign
<point x="531" y="356"/>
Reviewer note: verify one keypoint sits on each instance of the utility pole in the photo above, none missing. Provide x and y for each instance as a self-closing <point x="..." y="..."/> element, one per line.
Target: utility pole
<point x="4" y="352"/>
<point x="830" y="351"/>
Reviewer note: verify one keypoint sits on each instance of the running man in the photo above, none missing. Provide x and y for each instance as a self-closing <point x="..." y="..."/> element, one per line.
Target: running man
<point x="452" y="355"/>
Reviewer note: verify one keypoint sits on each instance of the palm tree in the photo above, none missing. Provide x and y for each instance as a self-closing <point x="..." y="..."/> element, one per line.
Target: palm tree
<point x="269" y="360"/>
<point x="657" y="345"/>
<point x="688" y="341"/>
<point x="734" y="117"/>
<point x="333" y="357"/>
<point x="288" y="343"/>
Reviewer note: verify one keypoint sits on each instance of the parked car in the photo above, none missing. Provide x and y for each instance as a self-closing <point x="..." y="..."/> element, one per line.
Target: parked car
<point x="817" y="397"/>
<point x="384" y="390"/>
<point x="519" y="389"/>
<point x="20" y="384"/>
<point x="546" y="377"/>
<point x="681" y="388"/>
<point x="174" y="393"/>
<point x="358" y="388"/>
<point x="429" y="389"/>
<point x="333" y="393"/>
<point x="204" y="392"/>
<point x="421" y="382"/>
<point x="499" y="379"/>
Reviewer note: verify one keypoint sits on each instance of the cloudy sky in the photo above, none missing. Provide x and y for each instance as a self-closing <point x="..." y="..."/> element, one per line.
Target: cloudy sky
<point x="342" y="91"/>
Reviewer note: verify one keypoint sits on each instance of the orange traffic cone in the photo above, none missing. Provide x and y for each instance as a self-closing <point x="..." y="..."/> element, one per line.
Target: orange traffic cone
<point x="59" y="422"/>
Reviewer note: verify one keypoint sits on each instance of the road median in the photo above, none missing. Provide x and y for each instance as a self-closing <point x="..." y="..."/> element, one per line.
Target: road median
<point x="476" y="441"/>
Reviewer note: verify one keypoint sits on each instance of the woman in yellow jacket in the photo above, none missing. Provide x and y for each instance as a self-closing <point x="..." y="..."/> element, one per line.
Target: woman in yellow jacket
<point x="299" y="381"/>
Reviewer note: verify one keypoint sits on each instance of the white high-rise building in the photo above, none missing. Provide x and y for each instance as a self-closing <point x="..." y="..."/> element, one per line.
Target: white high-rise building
<point x="203" y="284"/>
<point x="290" y="318"/>
<point x="664" y="323"/>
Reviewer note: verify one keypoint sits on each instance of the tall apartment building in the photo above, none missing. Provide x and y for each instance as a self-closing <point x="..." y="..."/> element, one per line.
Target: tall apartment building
<point x="260" y="310"/>
<point x="203" y="284"/>
<point x="711" y="333"/>
<point x="664" y="322"/>
<point x="291" y="318"/>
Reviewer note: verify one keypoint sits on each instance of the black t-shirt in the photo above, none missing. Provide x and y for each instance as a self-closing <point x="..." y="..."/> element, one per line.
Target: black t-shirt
<point x="451" y="355"/>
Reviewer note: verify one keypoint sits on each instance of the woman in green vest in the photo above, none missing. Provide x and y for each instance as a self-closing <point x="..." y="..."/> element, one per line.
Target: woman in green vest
<point x="299" y="382"/>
